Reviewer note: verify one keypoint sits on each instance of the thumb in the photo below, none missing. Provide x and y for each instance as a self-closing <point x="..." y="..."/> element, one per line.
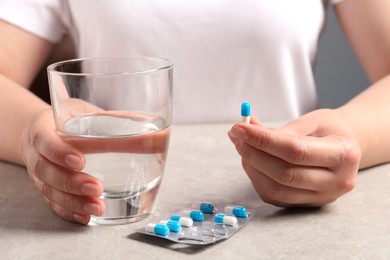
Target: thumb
<point x="255" y="121"/>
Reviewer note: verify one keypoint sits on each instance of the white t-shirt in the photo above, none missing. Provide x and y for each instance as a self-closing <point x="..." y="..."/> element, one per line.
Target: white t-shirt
<point x="224" y="51"/>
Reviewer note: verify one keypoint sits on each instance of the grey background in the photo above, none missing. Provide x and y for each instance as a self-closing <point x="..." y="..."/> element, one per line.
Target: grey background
<point x="339" y="75"/>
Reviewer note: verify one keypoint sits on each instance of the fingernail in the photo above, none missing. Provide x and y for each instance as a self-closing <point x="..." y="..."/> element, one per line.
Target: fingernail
<point x="80" y="219"/>
<point x="92" y="208"/>
<point x="90" y="189"/>
<point x="73" y="161"/>
<point x="239" y="133"/>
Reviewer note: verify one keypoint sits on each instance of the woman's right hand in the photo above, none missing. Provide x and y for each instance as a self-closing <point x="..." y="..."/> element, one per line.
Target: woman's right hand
<point x="55" y="167"/>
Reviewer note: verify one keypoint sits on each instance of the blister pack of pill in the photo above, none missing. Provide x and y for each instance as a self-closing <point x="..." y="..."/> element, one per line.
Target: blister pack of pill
<point x="201" y="223"/>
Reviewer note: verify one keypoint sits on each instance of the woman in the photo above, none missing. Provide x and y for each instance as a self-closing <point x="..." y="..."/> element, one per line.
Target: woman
<point x="224" y="53"/>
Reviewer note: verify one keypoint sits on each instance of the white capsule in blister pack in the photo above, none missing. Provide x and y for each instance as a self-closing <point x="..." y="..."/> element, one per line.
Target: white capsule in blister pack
<point x="184" y="221"/>
<point x="225" y="219"/>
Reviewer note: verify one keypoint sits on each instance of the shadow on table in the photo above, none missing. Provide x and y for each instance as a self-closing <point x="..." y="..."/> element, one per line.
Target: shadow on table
<point x="170" y="245"/>
<point x="267" y="212"/>
<point x="300" y="211"/>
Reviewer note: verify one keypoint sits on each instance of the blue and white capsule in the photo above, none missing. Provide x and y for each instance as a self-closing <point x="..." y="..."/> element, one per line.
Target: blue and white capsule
<point x="237" y="211"/>
<point x="184" y="221"/>
<point x="246" y="112"/>
<point x="205" y="207"/>
<point x="157" y="229"/>
<point x="195" y="215"/>
<point x="174" y="226"/>
<point x="221" y="218"/>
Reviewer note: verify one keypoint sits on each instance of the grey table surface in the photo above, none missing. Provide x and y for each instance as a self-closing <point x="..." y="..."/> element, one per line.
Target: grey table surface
<point x="203" y="165"/>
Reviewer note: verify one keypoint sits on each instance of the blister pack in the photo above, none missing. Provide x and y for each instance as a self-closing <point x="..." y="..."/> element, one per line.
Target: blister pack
<point x="201" y="223"/>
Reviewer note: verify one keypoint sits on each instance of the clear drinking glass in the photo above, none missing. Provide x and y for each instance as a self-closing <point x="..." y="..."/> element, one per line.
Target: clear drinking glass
<point x="117" y="111"/>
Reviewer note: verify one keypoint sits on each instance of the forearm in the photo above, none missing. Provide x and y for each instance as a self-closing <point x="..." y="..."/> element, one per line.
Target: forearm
<point x="368" y="114"/>
<point x="17" y="108"/>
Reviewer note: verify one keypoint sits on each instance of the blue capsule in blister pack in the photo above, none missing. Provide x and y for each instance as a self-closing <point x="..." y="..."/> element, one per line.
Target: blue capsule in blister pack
<point x="195" y="215"/>
<point x="237" y="211"/>
<point x="205" y="207"/>
<point x="191" y="226"/>
<point x="173" y="226"/>
<point x="157" y="229"/>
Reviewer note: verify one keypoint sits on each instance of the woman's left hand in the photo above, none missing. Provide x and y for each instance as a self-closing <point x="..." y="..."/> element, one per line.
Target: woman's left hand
<point x="311" y="161"/>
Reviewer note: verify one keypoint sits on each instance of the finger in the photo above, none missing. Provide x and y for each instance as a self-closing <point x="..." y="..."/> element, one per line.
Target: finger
<point x="64" y="179"/>
<point x="156" y="142"/>
<point x="68" y="215"/>
<point x="74" y="203"/>
<point x="153" y="142"/>
<point x="284" y="173"/>
<point x="302" y="150"/>
<point x="280" y="195"/>
<point x="47" y="142"/>
<point x="253" y="120"/>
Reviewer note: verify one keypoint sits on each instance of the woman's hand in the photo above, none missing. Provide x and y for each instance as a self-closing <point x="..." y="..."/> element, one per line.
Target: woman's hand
<point x="311" y="161"/>
<point x="55" y="167"/>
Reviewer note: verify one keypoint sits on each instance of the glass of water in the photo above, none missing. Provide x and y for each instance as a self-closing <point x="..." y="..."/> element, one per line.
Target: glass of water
<point x="117" y="111"/>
